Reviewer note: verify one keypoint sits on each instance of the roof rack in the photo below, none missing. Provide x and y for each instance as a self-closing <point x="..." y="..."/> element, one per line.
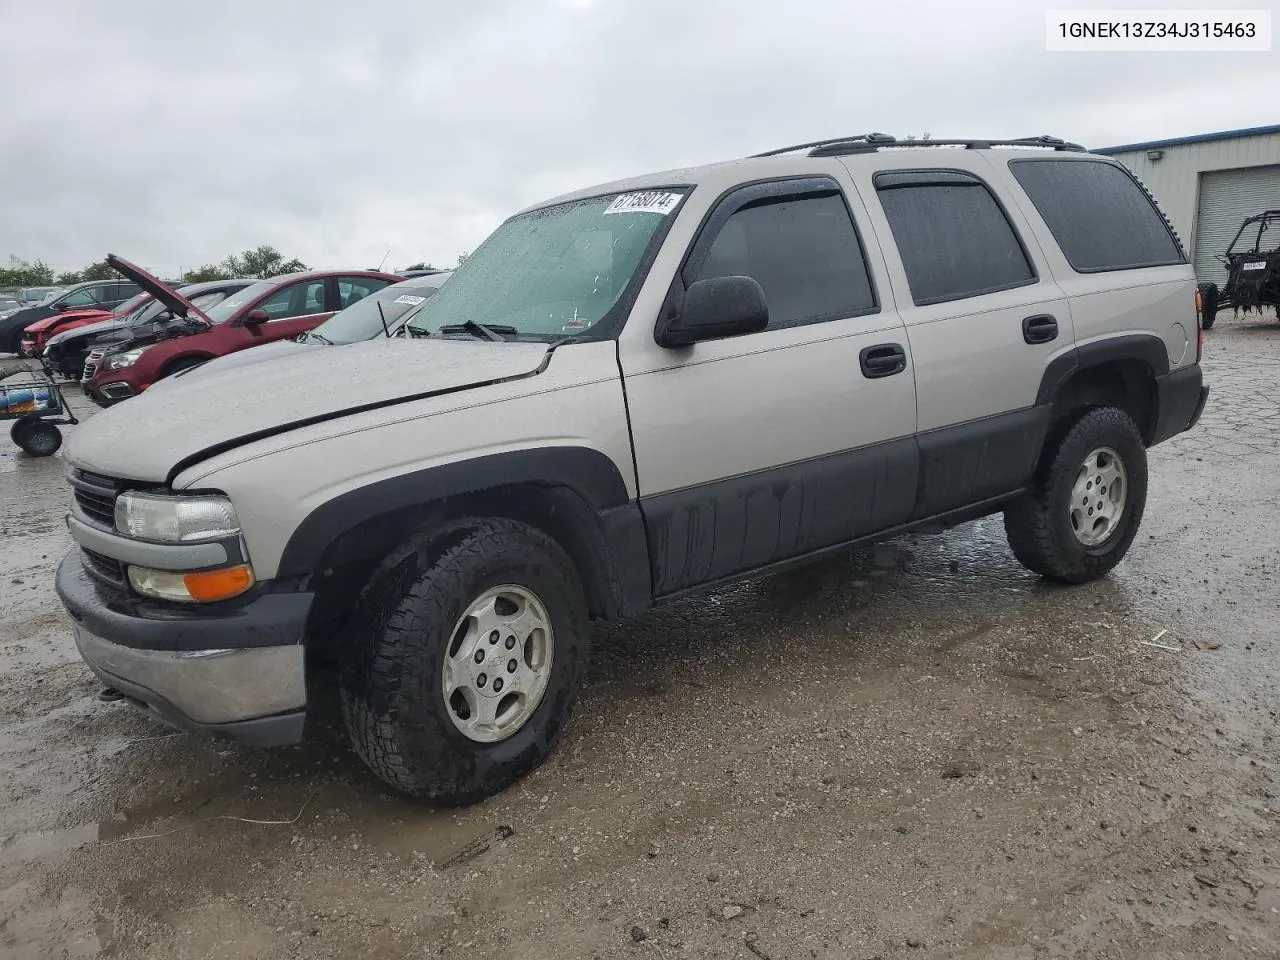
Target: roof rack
<point x="857" y="138"/>
<point x="870" y="142"/>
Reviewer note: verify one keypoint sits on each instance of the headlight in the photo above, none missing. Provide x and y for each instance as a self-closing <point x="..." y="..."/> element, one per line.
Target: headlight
<point x="150" y="516"/>
<point x="127" y="359"/>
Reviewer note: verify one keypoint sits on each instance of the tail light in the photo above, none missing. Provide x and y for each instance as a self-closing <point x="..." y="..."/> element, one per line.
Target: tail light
<point x="1199" y="329"/>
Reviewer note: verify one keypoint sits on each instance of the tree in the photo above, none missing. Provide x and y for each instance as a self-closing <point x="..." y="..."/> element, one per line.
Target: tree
<point x="95" y="271"/>
<point x="209" y="271"/>
<point x="261" y="263"/>
<point x="21" y="273"/>
<point x="422" y="266"/>
<point x="463" y="257"/>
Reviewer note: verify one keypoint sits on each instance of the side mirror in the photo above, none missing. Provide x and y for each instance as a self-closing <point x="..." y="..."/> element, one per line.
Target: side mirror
<point x="60" y="307"/>
<point x="254" y="318"/>
<point x="715" y="308"/>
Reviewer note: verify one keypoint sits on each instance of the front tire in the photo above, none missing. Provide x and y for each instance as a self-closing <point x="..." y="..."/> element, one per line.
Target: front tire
<point x="1083" y="509"/>
<point x="422" y="712"/>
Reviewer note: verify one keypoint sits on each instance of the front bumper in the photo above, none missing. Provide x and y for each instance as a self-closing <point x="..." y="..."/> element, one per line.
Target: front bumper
<point x="105" y="394"/>
<point x="238" y="673"/>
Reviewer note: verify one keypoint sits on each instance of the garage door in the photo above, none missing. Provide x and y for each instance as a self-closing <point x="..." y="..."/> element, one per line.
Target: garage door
<point x="1226" y="198"/>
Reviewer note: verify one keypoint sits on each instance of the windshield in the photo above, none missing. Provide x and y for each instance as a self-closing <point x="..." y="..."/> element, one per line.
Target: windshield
<point x="552" y="272"/>
<point x="363" y="321"/>
<point x="228" y="308"/>
<point x="129" y="306"/>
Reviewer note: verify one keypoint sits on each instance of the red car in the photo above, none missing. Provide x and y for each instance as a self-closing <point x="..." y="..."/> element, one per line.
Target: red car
<point x="35" y="336"/>
<point x="276" y="309"/>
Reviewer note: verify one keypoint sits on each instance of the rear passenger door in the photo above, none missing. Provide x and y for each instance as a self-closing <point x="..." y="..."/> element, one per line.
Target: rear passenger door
<point x="984" y="318"/>
<point x="754" y="449"/>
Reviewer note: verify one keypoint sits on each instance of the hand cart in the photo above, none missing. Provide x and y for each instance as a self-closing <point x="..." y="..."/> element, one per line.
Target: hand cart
<point x="33" y="400"/>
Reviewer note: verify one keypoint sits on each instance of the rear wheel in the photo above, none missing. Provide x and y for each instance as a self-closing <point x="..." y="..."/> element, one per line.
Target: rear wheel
<point x="467" y="660"/>
<point x="39" y="439"/>
<point x="1084" y="507"/>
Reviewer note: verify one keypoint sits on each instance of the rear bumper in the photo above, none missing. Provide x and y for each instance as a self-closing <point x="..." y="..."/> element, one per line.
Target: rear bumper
<point x="237" y="674"/>
<point x="1181" y="396"/>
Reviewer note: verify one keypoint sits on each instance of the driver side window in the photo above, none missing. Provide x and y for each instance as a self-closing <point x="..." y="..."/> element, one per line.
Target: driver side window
<point x="83" y="298"/>
<point x="295" y="300"/>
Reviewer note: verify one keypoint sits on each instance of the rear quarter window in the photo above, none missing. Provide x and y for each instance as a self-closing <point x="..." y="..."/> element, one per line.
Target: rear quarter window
<point x="1100" y="216"/>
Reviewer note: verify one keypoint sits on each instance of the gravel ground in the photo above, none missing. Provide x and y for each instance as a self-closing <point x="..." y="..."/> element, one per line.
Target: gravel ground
<point x="915" y="751"/>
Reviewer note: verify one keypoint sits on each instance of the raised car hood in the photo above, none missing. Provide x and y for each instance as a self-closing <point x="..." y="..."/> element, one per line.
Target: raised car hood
<point x="146" y="437"/>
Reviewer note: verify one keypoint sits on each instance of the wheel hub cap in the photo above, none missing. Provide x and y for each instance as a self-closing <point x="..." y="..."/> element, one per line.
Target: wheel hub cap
<point x="498" y="663"/>
<point x="1098" y="497"/>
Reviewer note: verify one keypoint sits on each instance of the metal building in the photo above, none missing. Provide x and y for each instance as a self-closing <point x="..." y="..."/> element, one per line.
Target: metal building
<point x="1207" y="184"/>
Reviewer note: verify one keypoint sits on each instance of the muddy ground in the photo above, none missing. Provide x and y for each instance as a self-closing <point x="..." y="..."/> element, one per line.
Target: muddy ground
<point x="917" y="751"/>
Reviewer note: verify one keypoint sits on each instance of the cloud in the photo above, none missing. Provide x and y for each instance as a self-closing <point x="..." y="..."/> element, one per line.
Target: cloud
<point x="173" y="134"/>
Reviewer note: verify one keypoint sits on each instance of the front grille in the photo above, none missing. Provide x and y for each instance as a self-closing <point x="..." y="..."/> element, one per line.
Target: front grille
<point x="105" y="568"/>
<point x="96" y="496"/>
<point x="91" y="363"/>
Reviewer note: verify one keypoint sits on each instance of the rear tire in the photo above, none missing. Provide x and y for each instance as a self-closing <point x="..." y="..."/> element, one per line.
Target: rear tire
<point x="1051" y="527"/>
<point x="416" y="633"/>
<point x="39" y="439"/>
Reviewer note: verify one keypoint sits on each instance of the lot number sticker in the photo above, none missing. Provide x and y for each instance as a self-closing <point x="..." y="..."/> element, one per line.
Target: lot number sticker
<point x="651" y="202"/>
<point x="409" y="299"/>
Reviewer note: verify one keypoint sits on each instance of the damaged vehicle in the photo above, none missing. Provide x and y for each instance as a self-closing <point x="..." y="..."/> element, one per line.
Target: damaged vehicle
<point x="1253" y="272"/>
<point x="262" y="312"/>
<point x="626" y="394"/>
<point x="381" y="314"/>
<point x="77" y="353"/>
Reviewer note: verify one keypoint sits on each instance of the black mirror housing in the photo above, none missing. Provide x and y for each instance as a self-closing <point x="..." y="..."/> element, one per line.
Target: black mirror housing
<point x="715" y="308"/>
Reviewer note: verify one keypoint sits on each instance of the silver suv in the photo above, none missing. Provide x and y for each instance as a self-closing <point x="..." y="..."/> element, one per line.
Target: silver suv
<point x="625" y="394"/>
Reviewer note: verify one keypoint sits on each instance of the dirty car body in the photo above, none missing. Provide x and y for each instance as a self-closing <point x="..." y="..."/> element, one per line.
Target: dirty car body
<point x="626" y="394"/>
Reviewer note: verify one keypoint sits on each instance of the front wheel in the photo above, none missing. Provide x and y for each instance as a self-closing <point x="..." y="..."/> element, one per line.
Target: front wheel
<point x="1083" y="509"/>
<point x="466" y="662"/>
<point x="179" y="365"/>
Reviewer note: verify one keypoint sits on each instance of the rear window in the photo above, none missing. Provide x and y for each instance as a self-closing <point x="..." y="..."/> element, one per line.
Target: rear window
<point x="1099" y="215"/>
<point x="954" y="238"/>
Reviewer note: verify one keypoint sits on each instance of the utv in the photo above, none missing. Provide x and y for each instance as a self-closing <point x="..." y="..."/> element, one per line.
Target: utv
<point x="1253" y="271"/>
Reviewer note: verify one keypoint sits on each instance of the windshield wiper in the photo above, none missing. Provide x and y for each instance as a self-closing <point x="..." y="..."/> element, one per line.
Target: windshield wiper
<point x="472" y="327"/>
<point x="312" y="335"/>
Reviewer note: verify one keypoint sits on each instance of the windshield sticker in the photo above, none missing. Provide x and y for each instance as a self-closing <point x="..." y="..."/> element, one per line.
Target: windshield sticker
<point x="409" y="299"/>
<point x="651" y="202"/>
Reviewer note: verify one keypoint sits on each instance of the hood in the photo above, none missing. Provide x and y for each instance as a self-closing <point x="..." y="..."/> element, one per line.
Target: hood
<point x="67" y="316"/>
<point x="179" y="305"/>
<point x="88" y="330"/>
<point x="203" y="412"/>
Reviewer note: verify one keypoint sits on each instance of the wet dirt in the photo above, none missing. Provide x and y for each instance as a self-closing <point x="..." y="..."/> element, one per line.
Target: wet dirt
<point x="918" y="750"/>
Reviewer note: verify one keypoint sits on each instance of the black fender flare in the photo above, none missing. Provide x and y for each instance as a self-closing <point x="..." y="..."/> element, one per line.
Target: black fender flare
<point x="586" y="472"/>
<point x="1146" y="347"/>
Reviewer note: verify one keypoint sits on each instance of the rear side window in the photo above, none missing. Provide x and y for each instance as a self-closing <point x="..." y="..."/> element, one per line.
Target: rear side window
<point x="1099" y="215"/>
<point x="802" y="250"/>
<point x="954" y="238"/>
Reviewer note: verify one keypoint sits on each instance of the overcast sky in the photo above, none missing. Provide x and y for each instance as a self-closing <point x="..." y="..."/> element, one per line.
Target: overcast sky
<point x="173" y="133"/>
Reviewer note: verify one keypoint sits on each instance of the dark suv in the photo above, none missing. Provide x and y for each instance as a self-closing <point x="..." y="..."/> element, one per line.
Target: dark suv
<point x="99" y="294"/>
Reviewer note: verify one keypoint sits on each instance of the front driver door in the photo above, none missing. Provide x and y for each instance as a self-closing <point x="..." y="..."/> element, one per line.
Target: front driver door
<point x="754" y="449"/>
<point x="293" y="309"/>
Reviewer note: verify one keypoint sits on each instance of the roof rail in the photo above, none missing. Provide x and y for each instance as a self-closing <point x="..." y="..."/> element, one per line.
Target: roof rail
<point x="856" y="138"/>
<point x="836" y="148"/>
